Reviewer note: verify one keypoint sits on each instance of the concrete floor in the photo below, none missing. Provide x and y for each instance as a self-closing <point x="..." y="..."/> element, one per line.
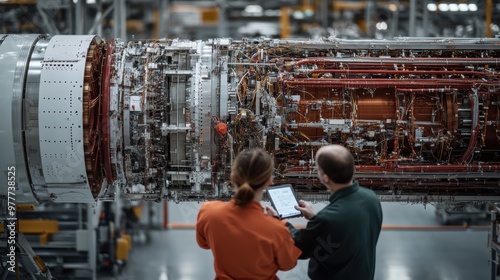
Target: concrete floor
<point x="401" y="254"/>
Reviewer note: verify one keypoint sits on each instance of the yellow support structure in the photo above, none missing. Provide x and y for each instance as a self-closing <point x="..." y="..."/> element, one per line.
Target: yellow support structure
<point x="137" y="210"/>
<point x="156" y="24"/>
<point x="209" y="15"/>
<point x="129" y="240"/>
<point x="41" y="265"/>
<point x="38" y="226"/>
<point x="122" y="249"/>
<point x="285" y="22"/>
<point x="487" y="22"/>
<point x="25" y="207"/>
<point x="42" y="227"/>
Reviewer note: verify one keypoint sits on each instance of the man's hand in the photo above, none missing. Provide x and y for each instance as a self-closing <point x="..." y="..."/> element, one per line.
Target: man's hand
<point x="306" y="209"/>
<point x="269" y="211"/>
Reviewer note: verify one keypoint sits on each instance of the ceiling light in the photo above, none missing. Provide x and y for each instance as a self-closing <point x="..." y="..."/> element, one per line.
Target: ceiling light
<point x="472" y="7"/>
<point x="308" y="13"/>
<point x="453" y="7"/>
<point x="381" y="25"/>
<point x="463" y="7"/>
<point x="432" y="7"/>
<point x="254" y="9"/>
<point x="443" y="7"/>
<point x="298" y="15"/>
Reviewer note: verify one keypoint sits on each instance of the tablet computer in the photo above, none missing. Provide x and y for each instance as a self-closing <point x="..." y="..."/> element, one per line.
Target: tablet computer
<point x="284" y="200"/>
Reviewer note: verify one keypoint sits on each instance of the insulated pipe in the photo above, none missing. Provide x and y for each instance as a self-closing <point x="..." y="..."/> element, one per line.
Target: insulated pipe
<point x="409" y="183"/>
<point x="392" y="61"/>
<point x="403" y="43"/>
<point x="429" y="168"/>
<point x="404" y="182"/>
<point x="390" y="66"/>
<point x="434" y="40"/>
<point x="402" y="72"/>
<point x="426" y="89"/>
<point x="415" y="168"/>
<point x="385" y="83"/>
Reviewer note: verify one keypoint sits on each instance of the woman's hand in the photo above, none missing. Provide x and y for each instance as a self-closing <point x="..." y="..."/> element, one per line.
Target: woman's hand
<point x="269" y="211"/>
<point x="306" y="209"/>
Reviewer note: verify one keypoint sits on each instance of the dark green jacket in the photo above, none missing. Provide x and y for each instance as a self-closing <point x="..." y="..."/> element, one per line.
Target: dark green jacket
<point x="341" y="239"/>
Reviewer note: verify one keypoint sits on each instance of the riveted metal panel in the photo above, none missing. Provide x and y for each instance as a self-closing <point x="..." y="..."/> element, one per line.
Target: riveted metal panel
<point x="61" y="118"/>
<point x="206" y="90"/>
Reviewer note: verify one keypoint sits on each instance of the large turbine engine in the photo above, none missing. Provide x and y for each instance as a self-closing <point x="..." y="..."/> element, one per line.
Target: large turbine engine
<point x="164" y="118"/>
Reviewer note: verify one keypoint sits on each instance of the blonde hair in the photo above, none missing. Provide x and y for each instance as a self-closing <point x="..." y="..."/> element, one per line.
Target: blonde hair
<point x="250" y="171"/>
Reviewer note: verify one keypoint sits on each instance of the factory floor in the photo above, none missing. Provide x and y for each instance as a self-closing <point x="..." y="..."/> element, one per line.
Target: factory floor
<point x="406" y="252"/>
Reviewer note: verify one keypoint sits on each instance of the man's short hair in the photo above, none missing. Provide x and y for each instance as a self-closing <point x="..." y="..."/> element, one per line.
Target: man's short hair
<point x="339" y="166"/>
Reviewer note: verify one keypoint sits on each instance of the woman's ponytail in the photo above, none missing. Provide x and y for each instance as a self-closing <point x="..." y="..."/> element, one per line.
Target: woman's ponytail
<point x="244" y="195"/>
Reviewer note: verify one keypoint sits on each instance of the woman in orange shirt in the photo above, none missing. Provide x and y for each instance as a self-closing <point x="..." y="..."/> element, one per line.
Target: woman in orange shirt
<point x="246" y="242"/>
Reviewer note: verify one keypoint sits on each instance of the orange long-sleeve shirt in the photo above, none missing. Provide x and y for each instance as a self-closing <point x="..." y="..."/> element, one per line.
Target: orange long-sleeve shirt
<point x="246" y="244"/>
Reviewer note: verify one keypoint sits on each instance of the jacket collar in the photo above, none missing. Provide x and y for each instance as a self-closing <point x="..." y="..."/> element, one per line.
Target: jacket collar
<point x="344" y="192"/>
<point x="251" y="205"/>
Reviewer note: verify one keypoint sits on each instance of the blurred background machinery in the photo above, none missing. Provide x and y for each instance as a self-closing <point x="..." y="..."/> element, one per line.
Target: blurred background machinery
<point x="201" y="20"/>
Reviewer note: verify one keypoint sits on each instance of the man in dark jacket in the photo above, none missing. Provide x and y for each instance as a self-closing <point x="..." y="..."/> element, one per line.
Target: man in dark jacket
<point x="340" y="240"/>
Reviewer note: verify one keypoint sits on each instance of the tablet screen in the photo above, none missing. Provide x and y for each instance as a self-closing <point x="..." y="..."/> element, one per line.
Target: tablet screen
<point x="283" y="200"/>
